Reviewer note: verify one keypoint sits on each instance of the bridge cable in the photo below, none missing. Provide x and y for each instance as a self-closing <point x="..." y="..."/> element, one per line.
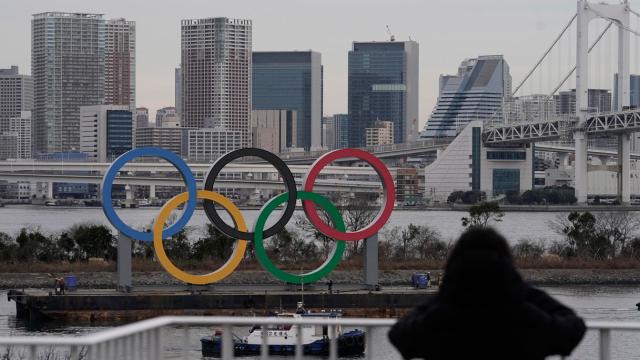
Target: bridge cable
<point x="545" y="54"/>
<point x="573" y="69"/>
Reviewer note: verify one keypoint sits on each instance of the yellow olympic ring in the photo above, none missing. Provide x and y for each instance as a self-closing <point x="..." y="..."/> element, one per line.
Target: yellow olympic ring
<point x="222" y="272"/>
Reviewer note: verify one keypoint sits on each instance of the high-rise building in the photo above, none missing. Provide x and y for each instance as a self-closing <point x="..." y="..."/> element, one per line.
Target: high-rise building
<point x="77" y="60"/>
<point x="599" y="100"/>
<point x="142" y="117"/>
<point x="20" y="126"/>
<point x="16" y="95"/>
<point x="476" y="92"/>
<point x="291" y="80"/>
<point x="178" y="91"/>
<point x="383" y="85"/>
<point x="120" y="63"/>
<point x="8" y="145"/>
<point x="216" y="73"/>
<point x="208" y="144"/>
<point x="106" y="131"/>
<point x="634" y="91"/>
<point x="380" y="134"/>
<point x="341" y="122"/>
<point x="328" y="132"/>
<point x="269" y="129"/>
<point x="68" y="69"/>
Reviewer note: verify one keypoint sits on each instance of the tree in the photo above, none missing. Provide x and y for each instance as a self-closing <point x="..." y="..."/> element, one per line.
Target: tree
<point x="481" y="214"/>
<point x="214" y="245"/>
<point x="288" y="247"/>
<point x="178" y="247"/>
<point x="93" y="240"/>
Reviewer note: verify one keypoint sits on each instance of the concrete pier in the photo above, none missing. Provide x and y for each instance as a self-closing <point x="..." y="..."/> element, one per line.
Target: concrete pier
<point x="110" y="305"/>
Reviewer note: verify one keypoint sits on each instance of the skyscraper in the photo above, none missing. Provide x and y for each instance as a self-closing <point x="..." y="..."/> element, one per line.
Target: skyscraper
<point x="20" y="126"/>
<point x="216" y="73"/>
<point x="120" y="63"/>
<point x="16" y="95"/>
<point x="291" y="80"/>
<point x="476" y="92"/>
<point x="68" y="68"/>
<point x="167" y="117"/>
<point x="383" y="85"/>
<point x="341" y="128"/>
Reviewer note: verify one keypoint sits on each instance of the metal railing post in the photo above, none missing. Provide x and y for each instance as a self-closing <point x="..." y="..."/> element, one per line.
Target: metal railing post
<point x="264" y="348"/>
<point x="605" y="344"/>
<point x="299" y="351"/>
<point x="368" y="349"/>
<point x="33" y="352"/>
<point x="227" y="342"/>
<point x="185" y="343"/>
<point x="333" y="344"/>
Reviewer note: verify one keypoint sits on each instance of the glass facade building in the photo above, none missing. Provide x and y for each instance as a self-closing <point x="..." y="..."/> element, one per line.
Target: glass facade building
<point x="291" y="80"/>
<point x="341" y="123"/>
<point x="383" y="85"/>
<point x="505" y="180"/>
<point x="476" y="92"/>
<point x="119" y="132"/>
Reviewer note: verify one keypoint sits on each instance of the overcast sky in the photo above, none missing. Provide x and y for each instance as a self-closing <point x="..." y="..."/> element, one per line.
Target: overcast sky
<point x="447" y="31"/>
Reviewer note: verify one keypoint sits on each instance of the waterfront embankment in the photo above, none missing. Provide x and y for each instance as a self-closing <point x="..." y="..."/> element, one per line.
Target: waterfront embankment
<point x="107" y="280"/>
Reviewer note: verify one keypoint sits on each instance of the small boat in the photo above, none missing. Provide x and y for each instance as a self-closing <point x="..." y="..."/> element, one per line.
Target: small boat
<point x="282" y="338"/>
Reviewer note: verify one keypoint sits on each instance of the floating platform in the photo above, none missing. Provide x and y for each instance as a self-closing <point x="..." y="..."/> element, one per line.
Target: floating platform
<point x="36" y="305"/>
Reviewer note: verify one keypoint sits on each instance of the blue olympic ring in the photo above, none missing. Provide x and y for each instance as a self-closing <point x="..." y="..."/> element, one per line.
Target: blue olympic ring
<point x="187" y="176"/>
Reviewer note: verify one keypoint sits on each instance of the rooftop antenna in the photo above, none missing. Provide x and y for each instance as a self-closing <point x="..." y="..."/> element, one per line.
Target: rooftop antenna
<point x="391" y="36"/>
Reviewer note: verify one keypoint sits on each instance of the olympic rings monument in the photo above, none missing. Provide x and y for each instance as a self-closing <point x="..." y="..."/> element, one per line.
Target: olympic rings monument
<point x="239" y="231"/>
<point x="126" y="303"/>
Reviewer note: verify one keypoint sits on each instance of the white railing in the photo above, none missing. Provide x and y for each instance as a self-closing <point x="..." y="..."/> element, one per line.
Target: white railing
<point x="144" y="339"/>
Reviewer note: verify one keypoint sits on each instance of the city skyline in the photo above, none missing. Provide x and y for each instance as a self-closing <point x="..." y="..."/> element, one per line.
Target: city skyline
<point x="158" y="33"/>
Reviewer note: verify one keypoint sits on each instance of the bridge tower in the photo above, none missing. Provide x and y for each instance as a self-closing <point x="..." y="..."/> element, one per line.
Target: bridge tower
<point x="619" y="14"/>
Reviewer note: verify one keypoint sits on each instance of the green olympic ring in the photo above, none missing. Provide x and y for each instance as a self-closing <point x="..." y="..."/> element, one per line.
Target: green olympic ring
<point x="332" y="261"/>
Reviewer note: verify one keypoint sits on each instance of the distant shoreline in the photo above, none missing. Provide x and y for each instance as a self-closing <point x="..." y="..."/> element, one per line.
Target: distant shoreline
<point x="538" y="277"/>
<point x="456" y="207"/>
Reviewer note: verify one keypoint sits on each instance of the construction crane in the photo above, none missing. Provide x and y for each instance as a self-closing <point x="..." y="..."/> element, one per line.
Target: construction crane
<point x="391" y="36"/>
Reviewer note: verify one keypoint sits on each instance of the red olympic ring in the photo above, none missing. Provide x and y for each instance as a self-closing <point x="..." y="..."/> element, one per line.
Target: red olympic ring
<point x="387" y="185"/>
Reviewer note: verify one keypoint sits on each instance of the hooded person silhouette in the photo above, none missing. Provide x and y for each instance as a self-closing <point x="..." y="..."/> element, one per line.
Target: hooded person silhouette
<point x="484" y="310"/>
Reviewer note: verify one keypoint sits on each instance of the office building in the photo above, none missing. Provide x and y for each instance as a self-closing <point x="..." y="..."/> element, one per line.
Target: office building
<point x="142" y="117"/>
<point x="167" y="117"/>
<point x="208" y="144"/>
<point x="599" y="100"/>
<point x="178" y="91"/>
<point x="20" y="126"/>
<point x="341" y="122"/>
<point x="171" y="138"/>
<point x="380" y="134"/>
<point x="328" y="132"/>
<point x="269" y="128"/>
<point x="16" y="95"/>
<point x="291" y="80"/>
<point x="476" y="92"/>
<point x="530" y="108"/>
<point x="634" y="91"/>
<point x="120" y="63"/>
<point x="383" y="85"/>
<point x="216" y="73"/>
<point x="8" y="145"/>
<point x="106" y="131"/>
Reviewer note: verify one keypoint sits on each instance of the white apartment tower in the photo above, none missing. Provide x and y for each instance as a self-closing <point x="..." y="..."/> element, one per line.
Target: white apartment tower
<point x="216" y="74"/>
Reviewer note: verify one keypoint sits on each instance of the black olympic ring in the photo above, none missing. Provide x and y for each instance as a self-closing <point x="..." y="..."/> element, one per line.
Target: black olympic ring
<point x="283" y="169"/>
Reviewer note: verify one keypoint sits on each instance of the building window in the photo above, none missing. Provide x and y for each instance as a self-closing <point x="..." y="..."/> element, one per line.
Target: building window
<point x="505" y="180"/>
<point x="506" y="155"/>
